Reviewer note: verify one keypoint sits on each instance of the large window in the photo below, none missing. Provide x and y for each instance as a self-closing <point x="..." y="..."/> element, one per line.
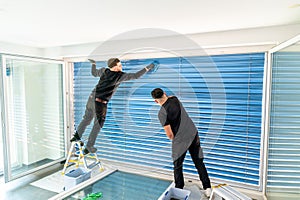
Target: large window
<point x="222" y="94"/>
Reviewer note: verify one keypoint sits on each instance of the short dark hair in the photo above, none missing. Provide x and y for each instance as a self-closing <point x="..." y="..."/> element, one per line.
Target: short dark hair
<point x="112" y="62"/>
<point x="157" y="93"/>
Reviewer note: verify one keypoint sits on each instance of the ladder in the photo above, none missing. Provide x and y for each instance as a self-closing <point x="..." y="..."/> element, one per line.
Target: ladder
<point x="224" y="191"/>
<point x="75" y="155"/>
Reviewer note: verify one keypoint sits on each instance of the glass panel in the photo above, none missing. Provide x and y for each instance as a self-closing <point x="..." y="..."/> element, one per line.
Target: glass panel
<point x="1" y="145"/>
<point x="283" y="178"/>
<point x="1" y="135"/>
<point x="122" y="185"/>
<point x="35" y="114"/>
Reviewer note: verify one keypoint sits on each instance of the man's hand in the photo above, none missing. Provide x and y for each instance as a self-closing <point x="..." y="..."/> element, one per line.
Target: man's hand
<point x="153" y="66"/>
<point x="149" y="67"/>
<point x="92" y="61"/>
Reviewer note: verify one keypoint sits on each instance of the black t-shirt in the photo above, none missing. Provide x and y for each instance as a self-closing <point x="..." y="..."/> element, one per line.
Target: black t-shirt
<point x="173" y="113"/>
<point x="170" y="114"/>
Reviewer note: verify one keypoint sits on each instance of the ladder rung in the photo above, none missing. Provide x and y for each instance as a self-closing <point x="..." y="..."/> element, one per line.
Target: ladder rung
<point x="81" y="158"/>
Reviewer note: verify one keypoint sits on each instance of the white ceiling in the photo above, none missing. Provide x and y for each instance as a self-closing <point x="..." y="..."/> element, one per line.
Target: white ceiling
<point x="47" y="23"/>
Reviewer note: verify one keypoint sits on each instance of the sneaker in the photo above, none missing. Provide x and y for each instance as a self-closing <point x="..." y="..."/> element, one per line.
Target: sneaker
<point x="85" y="151"/>
<point x="75" y="137"/>
<point x="207" y="192"/>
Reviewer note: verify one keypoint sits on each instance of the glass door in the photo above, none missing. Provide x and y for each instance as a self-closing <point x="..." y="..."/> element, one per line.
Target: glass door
<point x="1" y="145"/>
<point x="33" y="115"/>
<point x="283" y="136"/>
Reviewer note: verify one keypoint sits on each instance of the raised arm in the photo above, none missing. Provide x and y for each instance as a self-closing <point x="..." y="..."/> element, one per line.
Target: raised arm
<point x="132" y="76"/>
<point x="96" y="72"/>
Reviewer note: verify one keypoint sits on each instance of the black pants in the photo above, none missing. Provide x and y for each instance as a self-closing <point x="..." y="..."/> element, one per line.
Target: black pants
<point x="89" y="115"/>
<point x="100" y="109"/>
<point x="178" y="165"/>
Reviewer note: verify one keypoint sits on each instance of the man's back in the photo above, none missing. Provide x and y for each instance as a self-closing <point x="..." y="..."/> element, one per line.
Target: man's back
<point x="107" y="84"/>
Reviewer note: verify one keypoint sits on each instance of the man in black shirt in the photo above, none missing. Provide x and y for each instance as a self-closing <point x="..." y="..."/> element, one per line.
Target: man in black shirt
<point x="110" y="79"/>
<point x="180" y="128"/>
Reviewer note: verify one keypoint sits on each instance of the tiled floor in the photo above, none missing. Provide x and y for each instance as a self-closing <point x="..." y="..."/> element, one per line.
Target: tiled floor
<point x="21" y="189"/>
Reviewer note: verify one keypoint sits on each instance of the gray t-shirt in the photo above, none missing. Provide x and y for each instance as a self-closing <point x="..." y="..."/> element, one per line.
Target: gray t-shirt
<point x="173" y="113"/>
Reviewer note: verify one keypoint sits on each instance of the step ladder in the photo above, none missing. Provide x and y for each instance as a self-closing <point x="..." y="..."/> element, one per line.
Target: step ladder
<point x="224" y="191"/>
<point x="75" y="155"/>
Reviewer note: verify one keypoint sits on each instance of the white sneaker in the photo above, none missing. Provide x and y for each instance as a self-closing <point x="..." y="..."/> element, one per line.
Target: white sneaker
<point x="207" y="192"/>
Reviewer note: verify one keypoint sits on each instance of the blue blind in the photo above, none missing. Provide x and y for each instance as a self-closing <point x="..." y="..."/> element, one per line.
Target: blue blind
<point x="222" y="94"/>
<point x="284" y="137"/>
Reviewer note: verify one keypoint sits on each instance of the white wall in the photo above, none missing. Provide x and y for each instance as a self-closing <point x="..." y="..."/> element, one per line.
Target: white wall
<point x="224" y="42"/>
<point x="9" y="48"/>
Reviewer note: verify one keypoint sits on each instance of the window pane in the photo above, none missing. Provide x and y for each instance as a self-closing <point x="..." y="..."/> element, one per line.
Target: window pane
<point x="284" y="137"/>
<point x="34" y="99"/>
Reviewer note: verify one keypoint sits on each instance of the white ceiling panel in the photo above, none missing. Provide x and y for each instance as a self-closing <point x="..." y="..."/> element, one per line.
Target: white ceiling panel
<point x="51" y="23"/>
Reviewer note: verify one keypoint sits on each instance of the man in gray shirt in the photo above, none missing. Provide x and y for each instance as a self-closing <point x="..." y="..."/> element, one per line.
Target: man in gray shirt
<point x="180" y="128"/>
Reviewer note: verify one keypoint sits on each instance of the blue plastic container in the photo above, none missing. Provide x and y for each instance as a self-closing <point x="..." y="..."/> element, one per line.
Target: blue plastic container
<point x="75" y="177"/>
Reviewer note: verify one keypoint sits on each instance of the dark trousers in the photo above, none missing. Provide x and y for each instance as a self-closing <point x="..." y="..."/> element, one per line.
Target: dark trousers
<point x="89" y="115"/>
<point x="100" y="109"/>
<point x="198" y="162"/>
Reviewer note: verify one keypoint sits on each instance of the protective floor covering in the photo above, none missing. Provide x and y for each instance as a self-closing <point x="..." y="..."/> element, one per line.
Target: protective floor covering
<point x="53" y="182"/>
